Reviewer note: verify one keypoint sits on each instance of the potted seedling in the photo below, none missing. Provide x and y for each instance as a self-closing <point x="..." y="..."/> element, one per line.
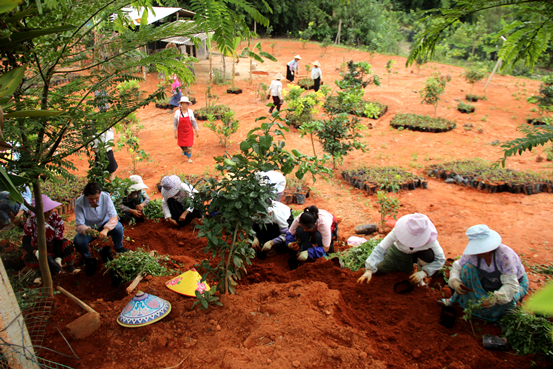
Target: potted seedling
<point x="472" y="76"/>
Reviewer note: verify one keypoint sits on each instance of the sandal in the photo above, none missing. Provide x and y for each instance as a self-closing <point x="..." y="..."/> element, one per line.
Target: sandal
<point x="190" y="161"/>
<point x="75" y="271"/>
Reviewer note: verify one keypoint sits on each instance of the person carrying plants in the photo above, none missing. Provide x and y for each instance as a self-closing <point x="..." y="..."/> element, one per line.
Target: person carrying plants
<point x="184" y="125"/>
<point x="275" y="179"/>
<point x="312" y="233"/>
<point x="174" y="191"/>
<point x="137" y="199"/>
<point x="412" y="241"/>
<point x="316" y="75"/>
<point x="293" y="67"/>
<point x="96" y="217"/>
<point x="60" y="250"/>
<point x="488" y="271"/>
<point x="275" y="90"/>
<point x="177" y="95"/>
<point x="270" y="232"/>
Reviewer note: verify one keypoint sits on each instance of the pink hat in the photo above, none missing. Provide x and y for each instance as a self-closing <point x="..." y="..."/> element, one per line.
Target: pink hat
<point x="415" y="230"/>
<point x="47" y="203"/>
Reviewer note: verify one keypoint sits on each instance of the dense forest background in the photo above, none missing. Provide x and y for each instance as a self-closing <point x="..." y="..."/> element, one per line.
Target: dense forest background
<point x="391" y="26"/>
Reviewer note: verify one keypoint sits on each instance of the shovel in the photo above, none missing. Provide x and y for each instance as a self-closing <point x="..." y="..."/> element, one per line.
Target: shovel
<point x="85" y="325"/>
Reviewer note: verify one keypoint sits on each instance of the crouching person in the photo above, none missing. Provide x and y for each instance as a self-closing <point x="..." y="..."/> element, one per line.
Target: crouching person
<point x="312" y="234"/>
<point x="60" y="250"/>
<point x="488" y="270"/>
<point x="412" y="241"/>
<point x="96" y="217"/>
<point x="270" y="233"/>
<point x="174" y="191"/>
<point x="136" y="200"/>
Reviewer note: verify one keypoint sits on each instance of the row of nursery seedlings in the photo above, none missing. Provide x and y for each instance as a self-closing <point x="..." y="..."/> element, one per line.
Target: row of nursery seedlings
<point x="482" y="175"/>
<point x="391" y="179"/>
<point x="421" y="123"/>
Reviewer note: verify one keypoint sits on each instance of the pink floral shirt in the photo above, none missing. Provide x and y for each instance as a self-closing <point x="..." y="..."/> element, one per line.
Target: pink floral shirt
<point x="54" y="229"/>
<point x="506" y="259"/>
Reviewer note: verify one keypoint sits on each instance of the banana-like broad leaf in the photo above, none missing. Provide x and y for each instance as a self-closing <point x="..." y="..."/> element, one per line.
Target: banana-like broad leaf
<point x="33" y="113"/>
<point x="9" y="81"/>
<point x="541" y="302"/>
<point x="6" y="184"/>
<point x="7" y="5"/>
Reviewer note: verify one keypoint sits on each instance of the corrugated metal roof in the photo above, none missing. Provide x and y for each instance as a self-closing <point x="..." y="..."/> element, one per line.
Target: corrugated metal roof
<point x="159" y="13"/>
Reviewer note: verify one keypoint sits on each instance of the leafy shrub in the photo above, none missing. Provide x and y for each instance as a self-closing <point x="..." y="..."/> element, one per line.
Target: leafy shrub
<point x="527" y="333"/>
<point x="216" y="110"/>
<point x="474" y="75"/>
<point x="545" y="100"/>
<point x="422" y="123"/>
<point x="355" y="76"/>
<point x="306" y="83"/>
<point x="62" y="189"/>
<point x="434" y="87"/>
<point x="154" y="209"/>
<point x="465" y="108"/>
<point x="303" y="106"/>
<point x="354" y="258"/>
<point x="388" y="206"/>
<point x="225" y="128"/>
<point x="129" y="264"/>
<point x="351" y="101"/>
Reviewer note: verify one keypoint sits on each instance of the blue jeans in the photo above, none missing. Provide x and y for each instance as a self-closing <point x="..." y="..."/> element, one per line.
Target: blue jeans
<point x="81" y="241"/>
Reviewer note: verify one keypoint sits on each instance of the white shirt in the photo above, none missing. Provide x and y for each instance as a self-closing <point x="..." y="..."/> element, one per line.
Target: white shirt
<point x="391" y="239"/>
<point x="186" y="191"/>
<point x="275" y="89"/>
<point x="294" y="65"/>
<point x="107" y="138"/>
<point x="274" y="178"/>
<point x="316" y="73"/>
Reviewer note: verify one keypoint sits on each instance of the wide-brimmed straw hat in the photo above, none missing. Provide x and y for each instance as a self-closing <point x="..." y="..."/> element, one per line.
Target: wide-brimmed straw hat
<point x="47" y="203"/>
<point x="170" y="186"/>
<point x="481" y="240"/>
<point x="184" y="99"/>
<point x="415" y="230"/>
<point x="278" y="76"/>
<point x="316" y="62"/>
<point x="297" y="57"/>
<point x="138" y="183"/>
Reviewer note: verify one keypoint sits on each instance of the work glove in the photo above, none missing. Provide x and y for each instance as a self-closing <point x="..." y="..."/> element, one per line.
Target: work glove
<point x="294" y="246"/>
<point x="365" y="277"/>
<point x="489" y="302"/>
<point x="58" y="261"/>
<point x="456" y="285"/>
<point x="417" y="277"/>
<point x="255" y="243"/>
<point x="36" y="253"/>
<point x="302" y="256"/>
<point x="267" y="246"/>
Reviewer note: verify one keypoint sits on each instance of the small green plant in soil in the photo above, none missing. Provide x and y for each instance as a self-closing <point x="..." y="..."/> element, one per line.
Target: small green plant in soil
<point x="351" y="101"/>
<point x="206" y="299"/>
<point x="216" y="110"/>
<point x="129" y="264"/>
<point x="225" y="128"/>
<point x="473" y="305"/>
<point x="465" y="108"/>
<point x="311" y="128"/>
<point x="154" y="209"/>
<point x="423" y="123"/>
<point x="528" y="334"/>
<point x="472" y="76"/>
<point x="389" y="68"/>
<point x="355" y="257"/>
<point x="327" y="41"/>
<point x="358" y="75"/>
<point x="434" y="87"/>
<point x="388" y="206"/>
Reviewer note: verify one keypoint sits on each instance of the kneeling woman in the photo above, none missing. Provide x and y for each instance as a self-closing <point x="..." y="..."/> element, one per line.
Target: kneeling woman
<point x="174" y="192"/>
<point x="488" y="270"/>
<point x="271" y="232"/>
<point x="60" y="250"/>
<point x="312" y="233"/>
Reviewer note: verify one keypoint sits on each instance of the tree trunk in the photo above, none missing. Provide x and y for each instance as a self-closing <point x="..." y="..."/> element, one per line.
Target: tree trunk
<point x="435" y="110"/>
<point x="233" y="71"/>
<point x="313" y="144"/>
<point x="41" y="241"/>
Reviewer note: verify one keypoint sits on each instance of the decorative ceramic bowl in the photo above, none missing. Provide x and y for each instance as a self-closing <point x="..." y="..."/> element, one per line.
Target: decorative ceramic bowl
<point x="187" y="283"/>
<point x="143" y="309"/>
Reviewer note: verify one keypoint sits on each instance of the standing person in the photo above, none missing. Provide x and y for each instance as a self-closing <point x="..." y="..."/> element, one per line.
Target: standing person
<point x="412" y="241"/>
<point x="312" y="233"/>
<point x="60" y="250"/>
<point x="184" y="124"/>
<point x="293" y="67"/>
<point x="271" y="231"/>
<point x="106" y="140"/>
<point x="177" y="95"/>
<point x="488" y="270"/>
<point x="275" y="90"/>
<point x="136" y="200"/>
<point x="316" y="75"/>
<point x="95" y="216"/>
<point x="174" y="191"/>
<point x="275" y="179"/>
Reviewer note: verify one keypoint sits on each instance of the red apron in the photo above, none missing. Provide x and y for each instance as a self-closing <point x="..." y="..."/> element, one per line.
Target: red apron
<point x="185" y="132"/>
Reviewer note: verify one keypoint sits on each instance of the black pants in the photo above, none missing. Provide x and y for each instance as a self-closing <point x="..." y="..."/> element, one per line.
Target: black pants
<point x="112" y="163"/>
<point x="425" y="255"/>
<point x="289" y="75"/>
<point x="307" y="239"/>
<point x="278" y="104"/>
<point x="317" y="84"/>
<point x="177" y="209"/>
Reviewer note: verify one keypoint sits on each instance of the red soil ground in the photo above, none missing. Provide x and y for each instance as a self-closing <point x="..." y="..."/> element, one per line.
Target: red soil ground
<point x="316" y="316"/>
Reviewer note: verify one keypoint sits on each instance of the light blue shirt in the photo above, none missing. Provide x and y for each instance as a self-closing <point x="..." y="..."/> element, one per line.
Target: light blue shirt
<point x="94" y="217"/>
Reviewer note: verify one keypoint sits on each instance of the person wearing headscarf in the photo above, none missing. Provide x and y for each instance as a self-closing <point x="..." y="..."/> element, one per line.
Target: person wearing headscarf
<point x="293" y="66"/>
<point x="177" y="94"/>
<point x="96" y="217"/>
<point x="312" y="233"/>
<point x="60" y="250"/>
<point x="414" y="240"/>
<point x="274" y="179"/>
<point x="270" y="232"/>
<point x="174" y="191"/>
<point x="136" y="200"/>
<point x="488" y="271"/>
<point x="316" y="75"/>
<point x="275" y="91"/>
<point x="184" y="125"/>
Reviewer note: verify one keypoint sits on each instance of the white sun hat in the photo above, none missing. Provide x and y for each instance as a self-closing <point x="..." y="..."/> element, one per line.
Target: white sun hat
<point x="184" y="99"/>
<point x="170" y="186"/>
<point x="138" y="183"/>
<point x="481" y="240"/>
<point x="297" y="57"/>
<point x="278" y="76"/>
<point x="316" y="62"/>
<point x="415" y="230"/>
